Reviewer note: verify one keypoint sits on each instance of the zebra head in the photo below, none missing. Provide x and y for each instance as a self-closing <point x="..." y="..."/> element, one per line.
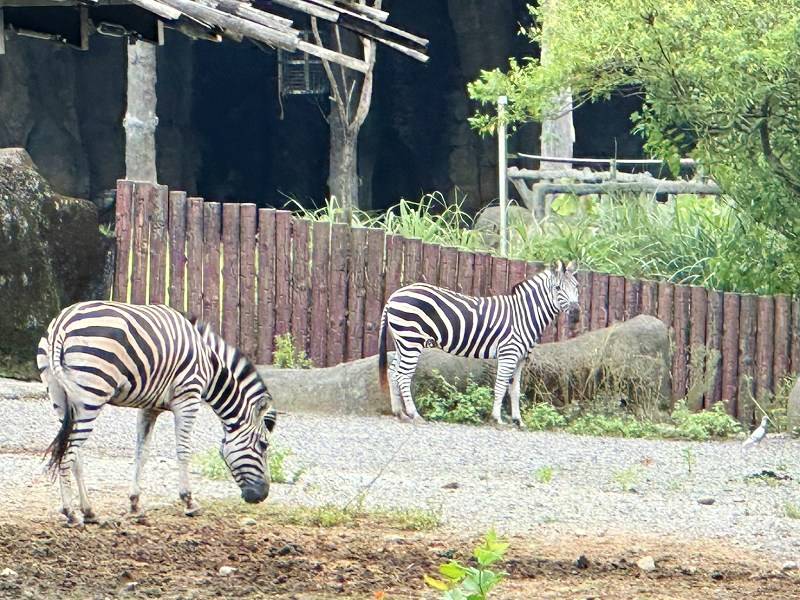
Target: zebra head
<point x="242" y="401"/>
<point x="564" y="288"/>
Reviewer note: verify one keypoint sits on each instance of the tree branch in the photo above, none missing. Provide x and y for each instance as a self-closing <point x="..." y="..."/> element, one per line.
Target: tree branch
<point x="766" y="148"/>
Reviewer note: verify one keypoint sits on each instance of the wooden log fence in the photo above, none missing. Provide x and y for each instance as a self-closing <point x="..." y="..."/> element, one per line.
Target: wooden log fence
<point x="254" y="274"/>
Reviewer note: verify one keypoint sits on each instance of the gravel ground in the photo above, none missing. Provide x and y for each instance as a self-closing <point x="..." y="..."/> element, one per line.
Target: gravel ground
<point x="491" y="474"/>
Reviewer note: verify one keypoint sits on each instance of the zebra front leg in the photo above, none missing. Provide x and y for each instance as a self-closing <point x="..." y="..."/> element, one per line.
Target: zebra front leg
<point x="514" y="393"/>
<point x="505" y="370"/>
<point x="144" y="428"/>
<point x="185" y="413"/>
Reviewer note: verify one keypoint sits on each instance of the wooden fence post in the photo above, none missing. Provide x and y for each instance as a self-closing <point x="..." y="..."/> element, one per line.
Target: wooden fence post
<point x="266" y="284"/>
<point x="177" y="250"/>
<point x="748" y="316"/>
<point x="283" y="272"/>
<point x="248" y="326"/>
<point x="194" y="257"/>
<point x="765" y="339"/>
<point x="356" y="288"/>
<point x="373" y="307"/>
<point x="714" y="321"/>
<point x="337" y="294"/>
<point x="300" y="286"/>
<point x="122" y="231"/>
<point x="697" y="350"/>
<point x="212" y="222"/>
<point x="158" y="212"/>
<point x="320" y="246"/>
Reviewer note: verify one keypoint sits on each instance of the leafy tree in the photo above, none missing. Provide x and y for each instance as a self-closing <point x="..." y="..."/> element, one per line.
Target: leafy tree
<point x="720" y="81"/>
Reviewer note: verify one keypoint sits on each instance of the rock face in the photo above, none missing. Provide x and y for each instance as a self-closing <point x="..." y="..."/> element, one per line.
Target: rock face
<point x="488" y="222"/>
<point x="556" y="372"/>
<point x="51" y="251"/>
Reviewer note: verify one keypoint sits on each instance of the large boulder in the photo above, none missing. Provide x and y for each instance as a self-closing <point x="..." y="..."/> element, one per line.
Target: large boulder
<point x="488" y="222"/>
<point x="51" y="251"/>
<point x="626" y="362"/>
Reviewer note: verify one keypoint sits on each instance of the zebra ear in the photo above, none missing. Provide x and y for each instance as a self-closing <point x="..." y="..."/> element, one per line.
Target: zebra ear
<point x="559" y="267"/>
<point x="572" y="266"/>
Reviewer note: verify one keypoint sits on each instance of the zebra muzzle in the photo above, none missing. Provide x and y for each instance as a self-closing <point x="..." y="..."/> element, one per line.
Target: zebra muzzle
<point x="255" y="493"/>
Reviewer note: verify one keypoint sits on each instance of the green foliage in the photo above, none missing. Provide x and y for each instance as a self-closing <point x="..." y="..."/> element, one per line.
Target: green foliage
<point x="702" y="425"/>
<point x="720" y="81"/>
<point x="287" y="355"/>
<point x="443" y="401"/>
<point x="628" y="478"/>
<point x="544" y="474"/>
<point x="791" y="510"/>
<point x="211" y="465"/>
<point x="543" y="416"/>
<point x="332" y="515"/>
<point x="463" y="582"/>
<point x="691" y="240"/>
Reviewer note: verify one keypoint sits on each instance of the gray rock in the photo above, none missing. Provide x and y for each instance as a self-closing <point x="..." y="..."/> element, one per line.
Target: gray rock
<point x="789" y="566"/>
<point x="706" y="500"/>
<point x="8" y="573"/>
<point x="248" y="522"/>
<point x="226" y="571"/>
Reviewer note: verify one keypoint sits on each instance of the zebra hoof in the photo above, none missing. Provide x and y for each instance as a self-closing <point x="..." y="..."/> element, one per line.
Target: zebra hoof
<point x="73" y="521"/>
<point x="519" y="424"/>
<point x="90" y="518"/>
<point x="193" y="511"/>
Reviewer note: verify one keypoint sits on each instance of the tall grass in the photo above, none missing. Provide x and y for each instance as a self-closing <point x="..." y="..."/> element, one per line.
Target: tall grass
<point x="689" y="240"/>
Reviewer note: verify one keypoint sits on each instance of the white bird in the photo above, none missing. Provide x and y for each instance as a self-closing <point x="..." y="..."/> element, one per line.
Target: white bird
<point x="759" y="434"/>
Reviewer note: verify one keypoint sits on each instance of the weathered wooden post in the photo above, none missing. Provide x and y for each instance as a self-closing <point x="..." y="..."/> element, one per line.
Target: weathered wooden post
<point x="140" y="117"/>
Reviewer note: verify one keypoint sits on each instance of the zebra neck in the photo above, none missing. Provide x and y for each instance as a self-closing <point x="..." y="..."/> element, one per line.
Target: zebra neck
<point x="222" y="394"/>
<point x="534" y="311"/>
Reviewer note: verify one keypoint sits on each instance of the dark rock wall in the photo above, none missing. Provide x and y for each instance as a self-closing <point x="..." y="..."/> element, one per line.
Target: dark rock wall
<point x="225" y="134"/>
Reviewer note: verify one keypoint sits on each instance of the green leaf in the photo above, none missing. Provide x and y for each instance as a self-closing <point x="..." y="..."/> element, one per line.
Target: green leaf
<point x="453" y="570"/>
<point x="436" y="584"/>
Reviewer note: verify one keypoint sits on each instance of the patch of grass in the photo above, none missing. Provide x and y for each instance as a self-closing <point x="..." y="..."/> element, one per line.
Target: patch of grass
<point x="628" y="478"/>
<point x="543" y="474"/>
<point x="689" y="458"/>
<point x="332" y="515"/>
<point x="287" y="355"/>
<point x="211" y="465"/>
<point x="791" y="510"/>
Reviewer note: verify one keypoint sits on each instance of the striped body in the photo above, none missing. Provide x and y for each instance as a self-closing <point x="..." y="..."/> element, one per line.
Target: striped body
<point x="504" y="327"/>
<point x="154" y="359"/>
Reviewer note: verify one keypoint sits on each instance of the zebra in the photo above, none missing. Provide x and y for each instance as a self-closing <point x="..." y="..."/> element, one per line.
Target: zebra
<point x="153" y="358"/>
<point x="503" y="327"/>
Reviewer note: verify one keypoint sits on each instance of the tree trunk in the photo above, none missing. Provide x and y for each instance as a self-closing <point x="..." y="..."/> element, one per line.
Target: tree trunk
<point x="343" y="173"/>
<point x="140" y="119"/>
<point x="558" y="133"/>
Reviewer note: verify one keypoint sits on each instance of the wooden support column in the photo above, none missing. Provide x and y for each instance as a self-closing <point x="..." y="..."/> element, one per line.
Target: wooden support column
<point x="2" y="32"/>
<point x="140" y="117"/>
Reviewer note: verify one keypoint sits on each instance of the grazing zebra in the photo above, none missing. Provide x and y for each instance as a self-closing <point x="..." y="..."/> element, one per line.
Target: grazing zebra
<point x="154" y="359"/>
<point x="502" y="327"/>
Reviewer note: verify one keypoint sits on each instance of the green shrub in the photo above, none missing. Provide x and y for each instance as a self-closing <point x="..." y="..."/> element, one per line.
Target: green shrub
<point x="543" y="416"/>
<point x="472" y="583"/>
<point x="211" y="465"/>
<point x="287" y="355"/>
<point x="702" y="425"/>
<point x="544" y="474"/>
<point x="443" y="401"/>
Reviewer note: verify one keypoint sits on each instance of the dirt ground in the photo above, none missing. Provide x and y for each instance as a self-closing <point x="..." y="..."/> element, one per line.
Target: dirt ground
<point x="167" y="555"/>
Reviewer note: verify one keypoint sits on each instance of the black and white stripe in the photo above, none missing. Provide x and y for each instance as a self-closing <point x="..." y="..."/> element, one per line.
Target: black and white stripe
<point x="503" y="327"/>
<point x="154" y="359"/>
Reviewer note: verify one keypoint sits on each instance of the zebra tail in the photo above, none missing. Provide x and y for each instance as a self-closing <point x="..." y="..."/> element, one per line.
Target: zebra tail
<point x="382" y="354"/>
<point x="58" y="447"/>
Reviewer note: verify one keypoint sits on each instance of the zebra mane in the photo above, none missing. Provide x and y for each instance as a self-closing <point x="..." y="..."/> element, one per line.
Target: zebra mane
<point x="234" y="360"/>
<point x="518" y="286"/>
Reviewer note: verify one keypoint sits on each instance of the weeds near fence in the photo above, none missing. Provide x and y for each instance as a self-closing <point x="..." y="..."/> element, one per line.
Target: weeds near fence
<point x="287" y="355"/>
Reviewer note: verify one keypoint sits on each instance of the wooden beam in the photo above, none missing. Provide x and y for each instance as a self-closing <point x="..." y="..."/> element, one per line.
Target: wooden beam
<point x="2" y="32"/>
<point x="334" y="57"/>
<point x="244" y="10"/>
<point x="235" y="24"/>
<point x="308" y="8"/>
<point x="158" y="8"/>
<point x="401" y="41"/>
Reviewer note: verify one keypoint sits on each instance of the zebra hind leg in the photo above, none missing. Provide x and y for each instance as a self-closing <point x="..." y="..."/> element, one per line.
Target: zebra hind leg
<point x="394" y="393"/>
<point x="405" y="366"/>
<point x="82" y="424"/>
<point x="77" y="470"/>
<point x="144" y="428"/>
<point x="514" y="394"/>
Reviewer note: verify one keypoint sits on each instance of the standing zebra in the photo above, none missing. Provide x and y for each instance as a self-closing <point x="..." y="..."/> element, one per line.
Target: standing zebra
<point x="154" y="359"/>
<point x="502" y="327"/>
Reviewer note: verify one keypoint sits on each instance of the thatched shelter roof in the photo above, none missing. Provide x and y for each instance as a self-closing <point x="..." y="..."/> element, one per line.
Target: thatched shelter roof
<point x="269" y="22"/>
